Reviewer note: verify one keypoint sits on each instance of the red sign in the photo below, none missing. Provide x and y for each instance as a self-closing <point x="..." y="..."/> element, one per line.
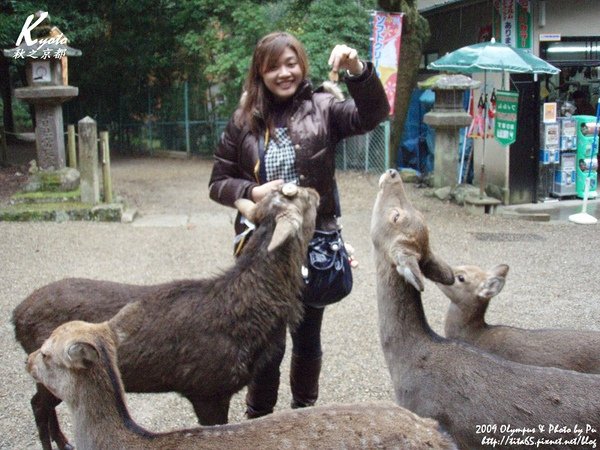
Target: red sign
<point x="387" y="33"/>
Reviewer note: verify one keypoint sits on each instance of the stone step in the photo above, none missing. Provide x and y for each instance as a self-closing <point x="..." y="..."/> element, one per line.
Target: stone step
<point x="46" y="197"/>
<point x="486" y="205"/>
<point x="61" y="212"/>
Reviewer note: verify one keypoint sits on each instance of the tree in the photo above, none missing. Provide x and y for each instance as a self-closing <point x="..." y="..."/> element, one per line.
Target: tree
<point x="9" y="31"/>
<point x="415" y="34"/>
<point x="330" y="22"/>
<point x="134" y="53"/>
<point x="225" y="44"/>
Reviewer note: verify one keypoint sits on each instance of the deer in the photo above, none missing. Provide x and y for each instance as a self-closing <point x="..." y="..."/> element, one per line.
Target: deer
<point x="78" y="364"/>
<point x="203" y="338"/>
<point x="470" y="296"/>
<point x="479" y="398"/>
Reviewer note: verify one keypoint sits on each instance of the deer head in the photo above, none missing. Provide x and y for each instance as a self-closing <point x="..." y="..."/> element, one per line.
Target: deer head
<point x="400" y="234"/>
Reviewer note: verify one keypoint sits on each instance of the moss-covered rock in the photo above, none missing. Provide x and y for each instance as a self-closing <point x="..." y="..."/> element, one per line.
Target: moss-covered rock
<point x="46" y="197"/>
<point x="45" y="212"/>
<point x="107" y="212"/>
<point x="65" y="179"/>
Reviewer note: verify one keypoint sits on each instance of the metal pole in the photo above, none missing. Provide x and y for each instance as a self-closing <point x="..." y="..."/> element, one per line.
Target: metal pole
<point x="464" y="146"/>
<point x="187" y="119"/>
<point x="388" y="149"/>
<point x="485" y="113"/>
<point x="367" y="149"/>
<point x="149" y="124"/>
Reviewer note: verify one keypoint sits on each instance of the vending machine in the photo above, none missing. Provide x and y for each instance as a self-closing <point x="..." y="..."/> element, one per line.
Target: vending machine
<point x="587" y="157"/>
<point x="564" y="172"/>
<point x="549" y="157"/>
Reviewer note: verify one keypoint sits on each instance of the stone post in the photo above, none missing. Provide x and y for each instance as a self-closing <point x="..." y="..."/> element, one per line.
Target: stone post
<point x="72" y="147"/>
<point x="49" y="136"/>
<point x="88" y="160"/>
<point x="447" y="118"/>
<point x="106" y="178"/>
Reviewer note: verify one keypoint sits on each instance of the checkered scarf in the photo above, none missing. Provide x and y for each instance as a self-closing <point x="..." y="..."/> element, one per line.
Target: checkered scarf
<point x="280" y="157"/>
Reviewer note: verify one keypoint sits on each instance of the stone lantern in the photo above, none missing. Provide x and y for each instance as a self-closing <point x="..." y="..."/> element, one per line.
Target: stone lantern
<point x="447" y="118"/>
<point x="46" y="92"/>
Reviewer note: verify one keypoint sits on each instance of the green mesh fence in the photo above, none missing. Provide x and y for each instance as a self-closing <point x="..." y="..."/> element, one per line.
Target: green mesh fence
<point x="197" y="137"/>
<point x="366" y="153"/>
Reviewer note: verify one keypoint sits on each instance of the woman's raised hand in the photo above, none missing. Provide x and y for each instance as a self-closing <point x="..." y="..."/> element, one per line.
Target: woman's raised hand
<point x="344" y="57"/>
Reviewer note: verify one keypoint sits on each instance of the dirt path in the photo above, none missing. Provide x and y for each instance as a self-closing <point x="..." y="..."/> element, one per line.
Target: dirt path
<point x="552" y="282"/>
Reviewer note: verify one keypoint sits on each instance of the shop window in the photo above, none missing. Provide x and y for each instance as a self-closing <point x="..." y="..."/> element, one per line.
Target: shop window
<point x="427" y="58"/>
<point x="572" y="52"/>
<point x="579" y="61"/>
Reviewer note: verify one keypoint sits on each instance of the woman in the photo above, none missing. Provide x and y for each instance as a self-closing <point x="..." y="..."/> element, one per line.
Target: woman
<point x="283" y="131"/>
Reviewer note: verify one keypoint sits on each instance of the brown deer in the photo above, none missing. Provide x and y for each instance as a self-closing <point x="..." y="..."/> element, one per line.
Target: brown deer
<point x="470" y="296"/>
<point x="202" y="338"/>
<point x="482" y="400"/>
<point x="78" y="364"/>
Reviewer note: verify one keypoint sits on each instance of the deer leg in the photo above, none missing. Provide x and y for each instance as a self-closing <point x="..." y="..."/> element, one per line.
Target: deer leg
<point x="41" y="413"/>
<point x="211" y="411"/>
<point x="56" y="433"/>
<point x="44" y="406"/>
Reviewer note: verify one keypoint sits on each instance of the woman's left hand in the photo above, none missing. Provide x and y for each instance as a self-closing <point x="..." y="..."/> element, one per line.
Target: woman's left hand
<point x="344" y="57"/>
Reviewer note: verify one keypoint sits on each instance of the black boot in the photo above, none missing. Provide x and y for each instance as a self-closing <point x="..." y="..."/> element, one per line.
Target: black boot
<point x="304" y="381"/>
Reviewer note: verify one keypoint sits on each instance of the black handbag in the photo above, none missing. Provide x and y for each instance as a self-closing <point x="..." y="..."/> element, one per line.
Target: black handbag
<point x="327" y="274"/>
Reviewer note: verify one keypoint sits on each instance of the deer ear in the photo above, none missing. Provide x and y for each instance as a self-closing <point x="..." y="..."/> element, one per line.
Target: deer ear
<point x="287" y="224"/>
<point x="501" y="270"/>
<point x="82" y="355"/>
<point x="408" y="268"/>
<point x="491" y="287"/>
<point x="127" y="321"/>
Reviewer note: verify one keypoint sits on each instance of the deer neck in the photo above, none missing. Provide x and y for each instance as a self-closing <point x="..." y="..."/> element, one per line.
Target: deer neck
<point x="257" y="274"/>
<point x="402" y="322"/>
<point x="100" y="415"/>
<point x="462" y="323"/>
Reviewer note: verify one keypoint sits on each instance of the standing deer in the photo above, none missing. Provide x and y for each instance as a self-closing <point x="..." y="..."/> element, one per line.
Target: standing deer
<point x="202" y="338"/>
<point x="482" y="400"/>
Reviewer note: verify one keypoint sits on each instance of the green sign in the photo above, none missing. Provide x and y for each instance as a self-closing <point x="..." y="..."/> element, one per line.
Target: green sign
<point x="507" y="106"/>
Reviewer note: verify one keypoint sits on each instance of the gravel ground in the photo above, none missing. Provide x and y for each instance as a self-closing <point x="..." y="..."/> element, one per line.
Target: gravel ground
<point x="552" y="280"/>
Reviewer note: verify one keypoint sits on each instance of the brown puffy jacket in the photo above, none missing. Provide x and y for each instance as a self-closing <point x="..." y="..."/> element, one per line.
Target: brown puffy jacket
<point x="318" y="122"/>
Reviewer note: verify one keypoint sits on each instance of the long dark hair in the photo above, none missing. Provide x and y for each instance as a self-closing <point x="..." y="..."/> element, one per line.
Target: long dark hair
<point x="257" y="99"/>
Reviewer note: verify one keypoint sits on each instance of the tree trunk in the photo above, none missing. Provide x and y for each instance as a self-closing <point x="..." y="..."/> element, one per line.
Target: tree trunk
<point x="415" y="34"/>
<point x="9" y="122"/>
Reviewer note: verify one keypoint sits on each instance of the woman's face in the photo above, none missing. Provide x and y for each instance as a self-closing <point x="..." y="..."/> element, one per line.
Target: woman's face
<point x="284" y="77"/>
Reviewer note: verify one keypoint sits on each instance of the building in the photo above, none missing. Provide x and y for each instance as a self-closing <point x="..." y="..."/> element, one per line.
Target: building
<point x="564" y="33"/>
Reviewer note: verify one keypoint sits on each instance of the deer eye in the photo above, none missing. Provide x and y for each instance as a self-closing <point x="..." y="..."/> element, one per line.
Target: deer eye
<point x="460" y="278"/>
<point x="396" y="216"/>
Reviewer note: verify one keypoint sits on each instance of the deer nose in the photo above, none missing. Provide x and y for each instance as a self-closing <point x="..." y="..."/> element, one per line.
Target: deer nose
<point x="29" y="363"/>
<point x="392" y="173"/>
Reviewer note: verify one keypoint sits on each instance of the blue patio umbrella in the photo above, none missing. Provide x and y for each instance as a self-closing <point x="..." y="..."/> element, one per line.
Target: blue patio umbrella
<point x="493" y="57"/>
<point x="486" y="57"/>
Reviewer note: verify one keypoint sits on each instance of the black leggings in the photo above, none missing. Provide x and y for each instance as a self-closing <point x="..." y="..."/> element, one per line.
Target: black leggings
<point x="306" y="339"/>
<point x="306" y="344"/>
